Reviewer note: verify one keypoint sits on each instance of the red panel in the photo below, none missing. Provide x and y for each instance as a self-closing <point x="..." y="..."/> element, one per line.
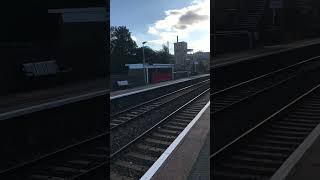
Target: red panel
<point x="161" y="76"/>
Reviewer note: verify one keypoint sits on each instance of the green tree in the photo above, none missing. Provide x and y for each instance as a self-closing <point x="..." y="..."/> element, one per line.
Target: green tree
<point x="149" y="54"/>
<point x="123" y="48"/>
<point x="161" y="57"/>
<point x="164" y="56"/>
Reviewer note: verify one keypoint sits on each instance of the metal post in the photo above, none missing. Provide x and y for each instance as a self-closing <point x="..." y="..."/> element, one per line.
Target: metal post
<point x="214" y="30"/>
<point x="273" y="16"/>
<point x="147" y="74"/>
<point x="144" y="63"/>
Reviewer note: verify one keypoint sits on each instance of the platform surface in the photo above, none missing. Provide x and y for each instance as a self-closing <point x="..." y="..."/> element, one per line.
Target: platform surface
<point x="261" y="51"/>
<point x="120" y="93"/>
<point x="188" y="158"/>
<point x="22" y="100"/>
<point x="308" y="166"/>
<point x="201" y="167"/>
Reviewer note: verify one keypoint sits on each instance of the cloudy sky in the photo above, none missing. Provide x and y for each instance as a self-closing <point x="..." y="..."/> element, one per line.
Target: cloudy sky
<point x="159" y="21"/>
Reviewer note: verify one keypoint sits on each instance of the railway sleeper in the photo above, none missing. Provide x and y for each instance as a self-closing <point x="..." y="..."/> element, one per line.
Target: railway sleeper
<point x="156" y="141"/>
<point x="285" y="138"/>
<point x="173" y="127"/>
<point x="45" y="177"/>
<point x="117" y="120"/>
<point x="166" y="131"/>
<point x="177" y="123"/>
<point x="150" y="148"/>
<point x="260" y="147"/>
<point x="234" y="166"/>
<point x="284" y="132"/>
<point x="301" y="120"/>
<point x="166" y="139"/>
<point x="313" y="109"/>
<point x="296" y="123"/>
<point x="131" y="165"/>
<point x="256" y="162"/>
<point x="190" y="112"/>
<point x="130" y="115"/>
<point x="142" y="156"/>
<point x="290" y="127"/>
<point x="154" y="144"/>
<point x="116" y="176"/>
<point x="162" y="135"/>
<point x="307" y="113"/>
<point x="137" y="160"/>
<point x="150" y="152"/>
<point x="113" y="124"/>
<point x="123" y="171"/>
<point x="229" y="175"/>
<point x="284" y="142"/>
<point x="264" y="154"/>
<point x="183" y="118"/>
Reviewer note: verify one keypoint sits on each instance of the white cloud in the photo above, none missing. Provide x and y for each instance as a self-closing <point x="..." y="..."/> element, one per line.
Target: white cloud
<point x="183" y="22"/>
<point x="200" y="45"/>
<point x="134" y="38"/>
<point x="153" y="30"/>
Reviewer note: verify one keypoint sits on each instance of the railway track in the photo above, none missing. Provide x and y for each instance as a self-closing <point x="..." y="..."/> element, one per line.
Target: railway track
<point x="72" y="162"/>
<point x="132" y="128"/>
<point x="260" y="151"/>
<point x="83" y="159"/>
<point x="136" y="157"/>
<point x="236" y="93"/>
<point x="84" y="156"/>
<point x="128" y="115"/>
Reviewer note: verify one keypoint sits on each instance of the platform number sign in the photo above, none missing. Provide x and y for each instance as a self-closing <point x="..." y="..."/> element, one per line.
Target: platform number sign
<point x="275" y="4"/>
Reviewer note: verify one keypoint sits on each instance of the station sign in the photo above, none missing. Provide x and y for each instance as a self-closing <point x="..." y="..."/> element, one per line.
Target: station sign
<point x="74" y="15"/>
<point x="276" y="4"/>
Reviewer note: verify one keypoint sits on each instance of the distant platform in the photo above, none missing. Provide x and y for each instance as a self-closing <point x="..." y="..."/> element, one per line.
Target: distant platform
<point x="21" y="102"/>
<point x="230" y="58"/>
<point x="130" y="91"/>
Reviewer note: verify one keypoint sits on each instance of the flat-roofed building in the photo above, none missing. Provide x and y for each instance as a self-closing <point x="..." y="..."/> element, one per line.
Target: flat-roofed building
<point x="180" y="52"/>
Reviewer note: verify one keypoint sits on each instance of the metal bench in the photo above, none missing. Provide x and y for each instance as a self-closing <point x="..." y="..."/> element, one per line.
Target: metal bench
<point x="123" y="84"/>
<point x="43" y="68"/>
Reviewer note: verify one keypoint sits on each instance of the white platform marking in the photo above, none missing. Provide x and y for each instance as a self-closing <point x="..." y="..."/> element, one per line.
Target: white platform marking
<point x="155" y="167"/>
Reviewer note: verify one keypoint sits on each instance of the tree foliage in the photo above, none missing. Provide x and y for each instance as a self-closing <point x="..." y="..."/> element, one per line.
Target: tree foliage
<point x="164" y="56"/>
<point x="149" y="54"/>
<point x="124" y="50"/>
<point x="121" y="41"/>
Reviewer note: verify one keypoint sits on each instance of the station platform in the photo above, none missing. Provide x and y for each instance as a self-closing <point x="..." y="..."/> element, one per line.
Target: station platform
<point x="126" y="92"/>
<point x="22" y="100"/>
<point x="188" y="156"/>
<point x="230" y="58"/>
<point x="304" y="163"/>
<point x="201" y="167"/>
